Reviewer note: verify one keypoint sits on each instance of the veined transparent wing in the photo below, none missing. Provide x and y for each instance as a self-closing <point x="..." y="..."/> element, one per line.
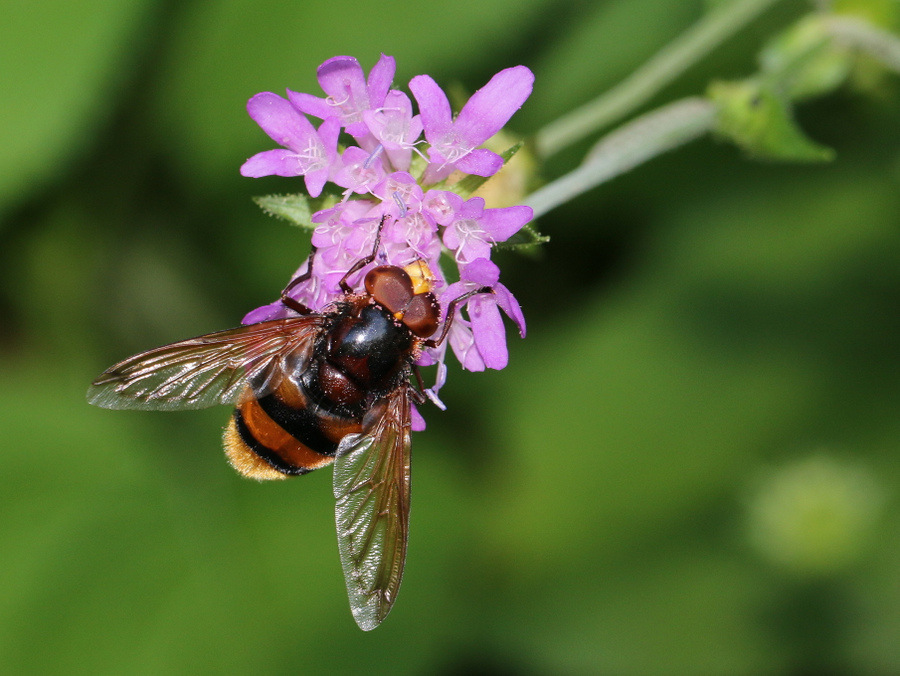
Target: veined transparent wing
<point x="371" y="485"/>
<point x="207" y="370"/>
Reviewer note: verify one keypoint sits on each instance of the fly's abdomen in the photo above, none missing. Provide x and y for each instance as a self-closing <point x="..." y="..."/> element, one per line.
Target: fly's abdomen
<point x="284" y="433"/>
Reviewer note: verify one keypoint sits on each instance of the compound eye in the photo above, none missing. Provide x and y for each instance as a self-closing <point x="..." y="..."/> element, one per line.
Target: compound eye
<point x="422" y="315"/>
<point x="390" y="286"/>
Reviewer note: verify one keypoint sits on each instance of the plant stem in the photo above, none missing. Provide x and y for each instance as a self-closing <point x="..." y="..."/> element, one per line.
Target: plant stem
<point x="862" y="35"/>
<point x="642" y="139"/>
<point x="660" y="70"/>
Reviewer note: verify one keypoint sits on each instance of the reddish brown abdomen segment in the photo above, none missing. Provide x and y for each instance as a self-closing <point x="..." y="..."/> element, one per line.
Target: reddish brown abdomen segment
<point x="283" y="434"/>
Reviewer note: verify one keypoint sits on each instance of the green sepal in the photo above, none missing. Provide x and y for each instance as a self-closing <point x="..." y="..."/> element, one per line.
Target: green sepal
<point x="527" y="239"/>
<point x="297" y="209"/>
<point x="753" y="117"/>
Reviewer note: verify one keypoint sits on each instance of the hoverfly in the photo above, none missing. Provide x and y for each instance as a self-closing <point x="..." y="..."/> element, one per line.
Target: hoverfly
<point x="311" y="390"/>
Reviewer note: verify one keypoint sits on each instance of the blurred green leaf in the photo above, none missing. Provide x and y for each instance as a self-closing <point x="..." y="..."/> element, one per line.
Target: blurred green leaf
<point x="759" y="121"/>
<point x="883" y="13"/>
<point x="805" y="61"/>
<point x="60" y="64"/>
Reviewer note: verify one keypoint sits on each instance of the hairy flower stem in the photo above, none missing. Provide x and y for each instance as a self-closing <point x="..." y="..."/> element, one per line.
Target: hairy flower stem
<point x="862" y="35"/>
<point x="670" y="62"/>
<point x="650" y="135"/>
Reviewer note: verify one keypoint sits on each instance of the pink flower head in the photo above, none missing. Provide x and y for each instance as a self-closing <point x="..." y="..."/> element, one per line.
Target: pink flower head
<point x="348" y="92"/>
<point x="309" y="153"/>
<point x="386" y="196"/>
<point x="454" y="143"/>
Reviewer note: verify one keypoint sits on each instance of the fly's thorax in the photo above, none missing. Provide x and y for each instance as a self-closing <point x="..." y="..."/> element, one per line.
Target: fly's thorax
<point x="370" y="347"/>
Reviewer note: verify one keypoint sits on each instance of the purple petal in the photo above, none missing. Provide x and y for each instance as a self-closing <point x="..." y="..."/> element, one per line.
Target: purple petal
<point x="452" y="292"/>
<point x="504" y="222"/>
<point x="312" y="105"/>
<point x="451" y="238"/>
<point x="318" y="174"/>
<point x="280" y="120"/>
<point x="466" y="238"/>
<point x="434" y="107"/>
<point x="490" y="107"/>
<point x="341" y="77"/>
<point x="273" y="163"/>
<point x="440" y="378"/>
<point x="482" y="272"/>
<point x="472" y="248"/>
<point x="442" y="205"/>
<point x="315" y="181"/>
<point x="487" y="327"/>
<point x="400" y="193"/>
<point x="395" y="128"/>
<point x="463" y="345"/>
<point x="276" y="310"/>
<point x="380" y="78"/>
<point x="480" y="162"/>
<point x="472" y="208"/>
<point x="510" y="306"/>
<point x="427" y="357"/>
<point x="359" y="170"/>
<point x="416" y="419"/>
<point x="329" y="131"/>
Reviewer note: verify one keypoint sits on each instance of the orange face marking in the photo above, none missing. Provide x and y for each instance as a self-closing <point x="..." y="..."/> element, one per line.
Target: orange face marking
<point x="421" y="275"/>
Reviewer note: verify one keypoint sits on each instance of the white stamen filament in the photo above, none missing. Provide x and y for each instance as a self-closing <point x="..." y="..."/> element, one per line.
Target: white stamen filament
<point x="312" y="158"/>
<point x="468" y="230"/>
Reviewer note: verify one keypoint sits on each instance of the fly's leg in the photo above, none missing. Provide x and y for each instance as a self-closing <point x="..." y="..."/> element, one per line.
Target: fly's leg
<point x="451" y="313"/>
<point x="292" y="303"/>
<point x="363" y="262"/>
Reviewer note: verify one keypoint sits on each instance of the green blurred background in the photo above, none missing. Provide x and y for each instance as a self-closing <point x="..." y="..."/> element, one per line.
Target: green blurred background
<point x="690" y="465"/>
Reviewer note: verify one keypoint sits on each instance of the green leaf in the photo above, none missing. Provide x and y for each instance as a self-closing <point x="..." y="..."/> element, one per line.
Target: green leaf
<point x="754" y="118"/>
<point x="297" y="209"/>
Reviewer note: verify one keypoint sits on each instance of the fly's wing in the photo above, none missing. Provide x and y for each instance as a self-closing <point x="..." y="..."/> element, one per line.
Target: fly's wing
<point x="208" y="370"/>
<point x="371" y="484"/>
